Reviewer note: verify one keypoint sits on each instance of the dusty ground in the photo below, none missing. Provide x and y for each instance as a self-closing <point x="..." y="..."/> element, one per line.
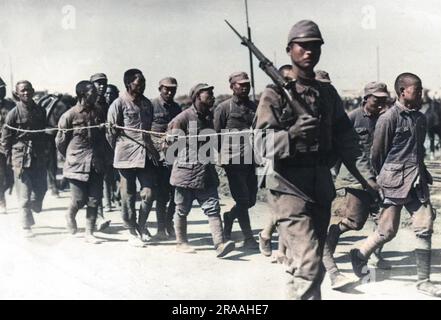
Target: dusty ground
<point x="54" y="265"/>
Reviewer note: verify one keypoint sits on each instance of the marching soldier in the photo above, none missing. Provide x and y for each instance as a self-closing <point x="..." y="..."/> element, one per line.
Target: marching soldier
<point x="398" y="160"/>
<point x="358" y="204"/>
<point x="237" y="113"/>
<point x="164" y="110"/>
<point x="26" y="151"/>
<point x="99" y="80"/>
<point x="135" y="155"/>
<point x="6" y="174"/>
<point x="83" y="150"/>
<point x="300" y="184"/>
<point x="194" y="178"/>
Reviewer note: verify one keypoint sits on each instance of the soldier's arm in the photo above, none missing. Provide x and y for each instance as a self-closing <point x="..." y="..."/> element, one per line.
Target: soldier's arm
<point x="268" y="114"/>
<point x="63" y="139"/>
<point x="8" y="134"/>
<point x="383" y="136"/>
<point x="114" y="116"/>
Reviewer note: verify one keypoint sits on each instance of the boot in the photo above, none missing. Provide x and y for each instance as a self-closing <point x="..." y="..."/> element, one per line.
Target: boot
<point x="90" y="225"/>
<point x="222" y="247"/>
<point x="161" y="235"/>
<point x="228" y="223"/>
<point x="103" y="224"/>
<point x="71" y="223"/>
<point x="181" y="235"/>
<point x="338" y="280"/>
<point x="424" y="285"/>
<point x="359" y="263"/>
<point x="245" y="226"/>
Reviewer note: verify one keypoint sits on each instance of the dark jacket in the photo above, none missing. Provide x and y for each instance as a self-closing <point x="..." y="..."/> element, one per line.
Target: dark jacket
<point x="25" y="149"/>
<point x="188" y="171"/>
<point x="234" y="114"/>
<point x="364" y="125"/>
<point x="163" y="113"/>
<point x="6" y="105"/>
<point x="83" y="149"/>
<point x="129" y="146"/>
<point x="304" y="174"/>
<point x="398" y="151"/>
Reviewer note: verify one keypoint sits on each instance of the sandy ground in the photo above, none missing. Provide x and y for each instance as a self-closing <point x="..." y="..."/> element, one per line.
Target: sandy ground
<point x="54" y="265"/>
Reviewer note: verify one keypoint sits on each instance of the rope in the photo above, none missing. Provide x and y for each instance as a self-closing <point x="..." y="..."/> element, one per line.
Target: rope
<point x="103" y="125"/>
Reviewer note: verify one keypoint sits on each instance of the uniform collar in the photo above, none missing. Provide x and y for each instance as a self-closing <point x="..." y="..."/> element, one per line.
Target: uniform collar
<point x="403" y="109"/>
<point x="306" y="86"/>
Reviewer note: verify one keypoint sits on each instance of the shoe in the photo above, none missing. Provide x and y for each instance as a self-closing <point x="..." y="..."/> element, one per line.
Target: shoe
<point x="224" y="248"/>
<point x="279" y="257"/>
<point x="102" y="226"/>
<point x="185" y="248"/>
<point x="379" y="263"/>
<point x="429" y="288"/>
<point x="359" y="265"/>
<point x="250" y="244"/>
<point x="146" y="236"/>
<point x="90" y="238"/>
<point x="27" y="233"/>
<point x="161" y="236"/>
<point x="228" y="225"/>
<point x="265" y="246"/>
<point x="339" y="281"/>
<point x="108" y="209"/>
<point x="134" y="241"/>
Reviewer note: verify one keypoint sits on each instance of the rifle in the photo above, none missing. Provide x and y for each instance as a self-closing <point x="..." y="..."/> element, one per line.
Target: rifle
<point x="291" y="96"/>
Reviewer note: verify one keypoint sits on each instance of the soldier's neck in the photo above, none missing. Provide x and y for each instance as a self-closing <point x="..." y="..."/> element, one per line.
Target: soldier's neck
<point x="302" y="74"/>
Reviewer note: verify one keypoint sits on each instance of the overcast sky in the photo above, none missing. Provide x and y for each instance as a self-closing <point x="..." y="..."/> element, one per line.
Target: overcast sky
<point x="43" y="42"/>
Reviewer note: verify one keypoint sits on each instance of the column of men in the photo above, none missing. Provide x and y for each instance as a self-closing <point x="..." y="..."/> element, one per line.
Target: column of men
<point x="382" y="150"/>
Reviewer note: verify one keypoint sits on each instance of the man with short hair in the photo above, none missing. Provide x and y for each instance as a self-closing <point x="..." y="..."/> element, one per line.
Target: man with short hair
<point x="306" y="142"/>
<point x="6" y="174"/>
<point x="195" y="178"/>
<point x="398" y="160"/>
<point x="27" y="153"/>
<point x="99" y="80"/>
<point x="358" y="204"/>
<point x="135" y="155"/>
<point x="164" y="110"/>
<point x="237" y="113"/>
<point x="83" y="150"/>
<point x="111" y="94"/>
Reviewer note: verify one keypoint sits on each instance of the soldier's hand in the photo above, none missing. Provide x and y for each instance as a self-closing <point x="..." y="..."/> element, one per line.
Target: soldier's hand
<point x="373" y="189"/>
<point x="304" y="128"/>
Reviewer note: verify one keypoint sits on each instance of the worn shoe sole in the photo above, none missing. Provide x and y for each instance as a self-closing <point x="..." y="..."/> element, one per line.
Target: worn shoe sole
<point x="265" y="248"/>
<point x="342" y="283"/>
<point x="229" y="246"/>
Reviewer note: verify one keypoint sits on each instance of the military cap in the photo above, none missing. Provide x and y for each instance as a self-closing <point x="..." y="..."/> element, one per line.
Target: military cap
<point x="2" y="83"/>
<point x="197" y="88"/>
<point x="305" y="31"/>
<point x="239" y="77"/>
<point x="168" y="82"/>
<point x="98" y="76"/>
<point x="322" y="76"/>
<point x="378" y="89"/>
